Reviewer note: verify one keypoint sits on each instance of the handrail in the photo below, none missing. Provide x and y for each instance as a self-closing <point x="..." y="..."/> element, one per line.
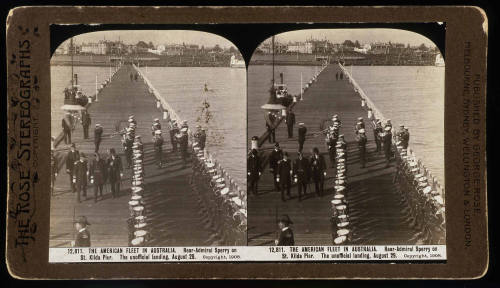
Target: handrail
<point x="376" y="114"/>
<point x="165" y="106"/>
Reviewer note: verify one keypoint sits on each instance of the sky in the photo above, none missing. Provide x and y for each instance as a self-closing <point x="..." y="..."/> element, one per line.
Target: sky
<point x="210" y="40"/>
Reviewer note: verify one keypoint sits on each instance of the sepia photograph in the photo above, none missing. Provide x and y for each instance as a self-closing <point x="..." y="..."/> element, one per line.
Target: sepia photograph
<point x="346" y="139"/>
<point x="148" y="140"/>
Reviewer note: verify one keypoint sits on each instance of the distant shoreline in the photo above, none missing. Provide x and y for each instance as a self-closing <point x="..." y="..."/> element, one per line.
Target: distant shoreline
<point x="223" y="61"/>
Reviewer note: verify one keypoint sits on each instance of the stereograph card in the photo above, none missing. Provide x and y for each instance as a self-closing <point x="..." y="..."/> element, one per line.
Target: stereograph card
<point x="243" y="143"/>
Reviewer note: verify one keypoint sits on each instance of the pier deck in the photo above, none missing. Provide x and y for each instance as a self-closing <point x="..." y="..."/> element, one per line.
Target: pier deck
<point x="170" y="203"/>
<point x="376" y="215"/>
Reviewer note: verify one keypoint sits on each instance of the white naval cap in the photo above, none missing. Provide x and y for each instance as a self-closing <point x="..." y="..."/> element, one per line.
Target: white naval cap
<point x="361" y="131"/>
<point x="158" y="132"/>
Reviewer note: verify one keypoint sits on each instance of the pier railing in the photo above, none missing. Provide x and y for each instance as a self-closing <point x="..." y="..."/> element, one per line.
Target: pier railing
<point x="376" y="114"/>
<point x="170" y="114"/>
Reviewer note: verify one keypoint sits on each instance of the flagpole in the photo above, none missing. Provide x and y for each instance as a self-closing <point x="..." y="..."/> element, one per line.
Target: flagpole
<point x="301" y="87"/>
<point x="96" y="92"/>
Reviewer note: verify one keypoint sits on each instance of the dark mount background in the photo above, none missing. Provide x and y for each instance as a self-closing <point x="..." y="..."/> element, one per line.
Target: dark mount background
<point x="246" y="37"/>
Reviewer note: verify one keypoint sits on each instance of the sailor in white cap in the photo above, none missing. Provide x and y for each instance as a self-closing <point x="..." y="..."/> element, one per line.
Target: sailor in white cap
<point x="359" y="125"/>
<point x="138" y="146"/>
<point x="336" y="120"/>
<point x="184" y="124"/>
<point x="174" y="130"/>
<point x="158" y="146"/>
<point x="155" y="126"/>
<point x="97" y="136"/>
<point x="341" y="141"/>
<point x="361" y="139"/>
<point x="387" y="144"/>
<point x="197" y="135"/>
<point x="404" y="136"/>
<point x="302" y="135"/>
<point x="388" y="123"/>
<point x="132" y="117"/>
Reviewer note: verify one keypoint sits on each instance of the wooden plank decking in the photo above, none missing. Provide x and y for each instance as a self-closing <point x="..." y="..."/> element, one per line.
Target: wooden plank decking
<point x="172" y="207"/>
<point x="375" y="212"/>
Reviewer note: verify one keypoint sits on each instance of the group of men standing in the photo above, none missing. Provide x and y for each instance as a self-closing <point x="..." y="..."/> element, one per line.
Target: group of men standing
<point x="284" y="172"/>
<point x="97" y="172"/>
<point x="178" y="138"/>
<point x="304" y="169"/>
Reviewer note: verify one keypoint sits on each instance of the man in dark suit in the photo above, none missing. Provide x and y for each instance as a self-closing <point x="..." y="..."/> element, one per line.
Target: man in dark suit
<point x="183" y="145"/>
<point x="253" y="171"/>
<point x="97" y="136"/>
<point x="387" y="144"/>
<point x="80" y="176"/>
<point x="115" y="172"/>
<point x="331" y="142"/>
<point x="318" y="168"/>
<point x="202" y="139"/>
<point x="270" y="126"/>
<point x="302" y="136"/>
<point x="274" y="158"/>
<point x="285" y="176"/>
<point x="377" y="130"/>
<point x="285" y="237"/>
<point x="174" y="130"/>
<point x="66" y="130"/>
<point x="290" y="121"/>
<point x="97" y="175"/>
<point x="301" y="174"/>
<point x="86" y="121"/>
<point x="83" y="234"/>
<point x="71" y="158"/>
<point x="128" y="143"/>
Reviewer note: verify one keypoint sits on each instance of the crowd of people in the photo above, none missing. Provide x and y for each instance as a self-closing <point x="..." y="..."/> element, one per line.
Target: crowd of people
<point x="222" y="204"/>
<point x="306" y="170"/>
<point x="424" y="202"/>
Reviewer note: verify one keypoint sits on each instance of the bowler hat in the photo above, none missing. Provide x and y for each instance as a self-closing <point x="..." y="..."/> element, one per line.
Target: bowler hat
<point x="285" y="219"/>
<point x="81" y="220"/>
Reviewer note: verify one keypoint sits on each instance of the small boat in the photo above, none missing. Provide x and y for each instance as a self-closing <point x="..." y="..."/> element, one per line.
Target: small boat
<point x="74" y="98"/>
<point x="236" y="63"/>
<point x="439" y="62"/>
<point x="281" y="90"/>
